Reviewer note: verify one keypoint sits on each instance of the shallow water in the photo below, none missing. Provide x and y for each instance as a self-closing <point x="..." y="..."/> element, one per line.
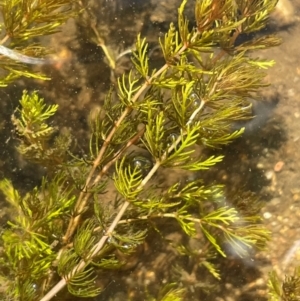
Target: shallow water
<point x="79" y="84"/>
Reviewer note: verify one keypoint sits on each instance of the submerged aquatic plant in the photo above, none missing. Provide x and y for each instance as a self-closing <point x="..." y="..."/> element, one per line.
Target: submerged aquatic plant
<point x="24" y="20"/>
<point x="75" y="222"/>
<point x="287" y="290"/>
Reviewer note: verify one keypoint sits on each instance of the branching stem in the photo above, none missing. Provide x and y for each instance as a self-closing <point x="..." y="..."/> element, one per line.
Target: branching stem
<point x="84" y="196"/>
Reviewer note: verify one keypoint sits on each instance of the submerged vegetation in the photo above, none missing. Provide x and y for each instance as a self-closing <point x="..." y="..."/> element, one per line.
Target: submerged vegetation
<point x="91" y="212"/>
<point x="22" y="22"/>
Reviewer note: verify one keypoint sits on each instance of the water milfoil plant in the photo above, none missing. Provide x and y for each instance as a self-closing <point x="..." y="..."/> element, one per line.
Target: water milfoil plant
<point x="90" y="207"/>
<point x="24" y="21"/>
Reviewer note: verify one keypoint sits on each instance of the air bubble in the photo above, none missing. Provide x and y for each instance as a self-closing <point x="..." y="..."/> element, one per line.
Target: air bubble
<point x="195" y="99"/>
<point x="171" y="139"/>
<point x="143" y="164"/>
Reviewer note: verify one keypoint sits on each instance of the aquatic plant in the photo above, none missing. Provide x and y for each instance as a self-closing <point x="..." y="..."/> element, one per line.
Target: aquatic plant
<point x="287" y="290"/>
<point x="22" y="22"/>
<point x="76" y="222"/>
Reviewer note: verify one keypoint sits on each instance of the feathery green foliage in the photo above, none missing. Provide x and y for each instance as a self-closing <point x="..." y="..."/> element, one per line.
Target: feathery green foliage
<point x="76" y="222"/>
<point x="35" y="134"/>
<point x="288" y="290"/>
<point x="24" y="20"/>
